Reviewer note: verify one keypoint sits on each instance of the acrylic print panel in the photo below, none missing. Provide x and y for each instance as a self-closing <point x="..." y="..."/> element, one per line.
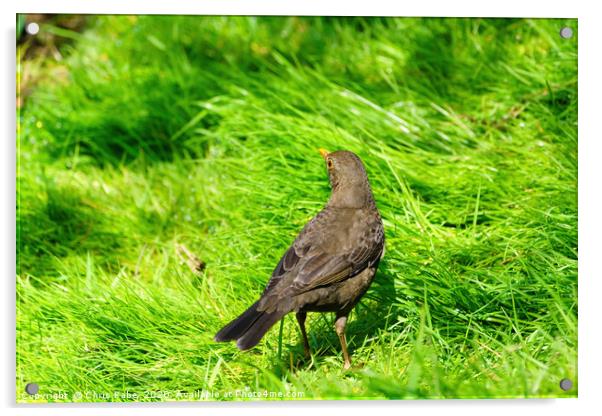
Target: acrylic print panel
<point x="167" y="163"/>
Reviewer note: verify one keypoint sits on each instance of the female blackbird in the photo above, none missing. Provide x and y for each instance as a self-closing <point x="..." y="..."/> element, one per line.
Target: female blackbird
<point x="329" y="266"/>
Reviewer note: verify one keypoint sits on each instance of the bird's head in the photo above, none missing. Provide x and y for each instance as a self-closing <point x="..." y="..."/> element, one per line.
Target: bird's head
<point x="348" y="180"/>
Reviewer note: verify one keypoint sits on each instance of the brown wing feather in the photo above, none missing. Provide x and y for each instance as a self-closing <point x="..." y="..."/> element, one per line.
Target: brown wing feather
<point x="308" y="263"/>
<point x="340" y="266"/>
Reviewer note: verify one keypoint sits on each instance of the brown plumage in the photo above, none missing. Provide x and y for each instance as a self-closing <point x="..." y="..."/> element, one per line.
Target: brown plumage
<point x="329" y="266"/>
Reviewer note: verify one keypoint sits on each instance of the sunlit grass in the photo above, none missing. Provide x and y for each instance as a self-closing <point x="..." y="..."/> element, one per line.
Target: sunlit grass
<point x="204" y="132"/>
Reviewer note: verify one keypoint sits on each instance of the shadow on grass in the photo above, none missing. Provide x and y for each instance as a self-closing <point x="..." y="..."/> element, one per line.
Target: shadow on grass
<point x="60" y="225"/>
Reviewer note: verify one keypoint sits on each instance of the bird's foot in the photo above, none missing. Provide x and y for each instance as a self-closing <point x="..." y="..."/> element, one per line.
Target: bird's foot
<point x="348" y="366"/>
<point x="304" y="359"/>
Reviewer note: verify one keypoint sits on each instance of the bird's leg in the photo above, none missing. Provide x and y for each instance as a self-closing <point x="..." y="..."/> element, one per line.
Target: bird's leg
<point x="339" y="327"/>
<point x="301" y="316"/>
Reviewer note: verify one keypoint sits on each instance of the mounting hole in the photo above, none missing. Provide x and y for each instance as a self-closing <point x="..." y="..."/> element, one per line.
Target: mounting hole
<point x="32" y="28"/>
<point x="32" y="388"/>
<point x="566" y="384"/>
<point x="566" y="32"/>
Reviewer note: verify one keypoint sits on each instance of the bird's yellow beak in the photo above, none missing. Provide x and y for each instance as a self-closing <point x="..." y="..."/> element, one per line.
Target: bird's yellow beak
<point x="323" y="152"/>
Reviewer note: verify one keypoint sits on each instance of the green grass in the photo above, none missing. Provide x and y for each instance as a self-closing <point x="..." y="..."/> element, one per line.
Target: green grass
<point x="203" y="131"/>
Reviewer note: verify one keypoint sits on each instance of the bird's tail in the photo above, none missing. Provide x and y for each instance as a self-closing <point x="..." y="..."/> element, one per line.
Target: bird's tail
<point x="249" y="327"/>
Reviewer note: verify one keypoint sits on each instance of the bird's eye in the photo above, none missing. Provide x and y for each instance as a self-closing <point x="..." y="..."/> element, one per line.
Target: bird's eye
<point x="330" y="163"/>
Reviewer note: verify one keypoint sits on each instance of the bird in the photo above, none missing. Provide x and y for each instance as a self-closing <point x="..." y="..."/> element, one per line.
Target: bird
<point x="328" y="267"/>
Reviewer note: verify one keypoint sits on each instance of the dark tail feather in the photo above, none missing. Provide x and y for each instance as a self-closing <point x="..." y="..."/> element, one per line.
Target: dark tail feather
<point x="249" y="327"/>
<point x="239" y="326"/>
<point x="254" y="334"/>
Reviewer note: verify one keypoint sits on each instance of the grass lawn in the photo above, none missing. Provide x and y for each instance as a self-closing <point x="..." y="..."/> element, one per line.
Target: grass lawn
<point x="139" y="135"/>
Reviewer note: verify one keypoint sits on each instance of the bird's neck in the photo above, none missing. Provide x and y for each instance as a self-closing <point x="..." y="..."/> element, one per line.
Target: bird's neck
<point x="352" y="196"/>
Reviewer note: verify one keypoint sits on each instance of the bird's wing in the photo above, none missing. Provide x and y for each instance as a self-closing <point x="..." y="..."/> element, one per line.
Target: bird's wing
<point x="324" y="268"/>
<point x="312" y="261"/>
